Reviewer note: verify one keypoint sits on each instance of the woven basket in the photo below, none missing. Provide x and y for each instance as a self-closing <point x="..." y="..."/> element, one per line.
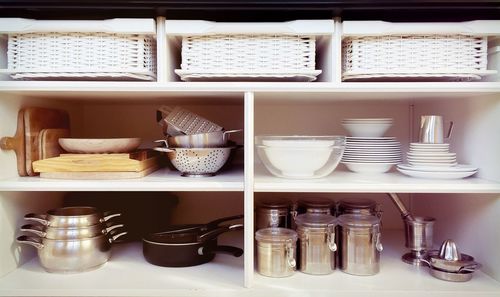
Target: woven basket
<point x="248" y="56"/>
<point x="446" y="57"/>
<point x="95" y="56"/>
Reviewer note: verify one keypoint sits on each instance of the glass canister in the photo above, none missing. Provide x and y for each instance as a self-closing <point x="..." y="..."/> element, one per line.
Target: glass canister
<point x="358" y="206"/>
<point x="316" y="243"/>
<point x="276" y="252"/>
<point x="273" y="213"/>
<point x="359" y="244"/>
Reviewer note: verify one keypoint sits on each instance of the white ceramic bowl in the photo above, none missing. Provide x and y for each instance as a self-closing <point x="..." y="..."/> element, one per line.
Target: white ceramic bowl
<point x="369" y="167"/>
<point x="99" y="145"/>
<point x="297" y="141"/>
<point x="302" y="162"/>
<point x="367" y="129"/>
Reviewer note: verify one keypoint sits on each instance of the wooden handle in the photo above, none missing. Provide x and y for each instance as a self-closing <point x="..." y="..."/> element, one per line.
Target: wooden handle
<point x="8" y="143"/>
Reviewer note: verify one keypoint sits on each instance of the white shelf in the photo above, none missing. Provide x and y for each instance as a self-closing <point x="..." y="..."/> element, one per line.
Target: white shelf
<point x="395" y="278"/>
<point x="161" y="180"/>
<point x="229" y="91"/>
<point x="345" y="181"/>
<point x="128" y="274"/>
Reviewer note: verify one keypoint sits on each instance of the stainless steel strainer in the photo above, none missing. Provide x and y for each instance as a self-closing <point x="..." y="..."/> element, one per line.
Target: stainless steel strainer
<point x="197" y="162"/>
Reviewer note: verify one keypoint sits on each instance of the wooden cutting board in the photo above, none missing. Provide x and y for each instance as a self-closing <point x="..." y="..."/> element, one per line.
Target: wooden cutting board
<point x="134" y="162"/>
<point x="17" y="144"/>
<point x="99" y="175"/>
<point x="48" y="143"/>
<point x="35" y="120"/>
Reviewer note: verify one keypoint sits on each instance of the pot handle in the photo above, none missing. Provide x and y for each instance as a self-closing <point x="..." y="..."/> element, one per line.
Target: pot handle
<point x="225" y="135"/>
<point x="112" y="227"/>
<point x="216" y="232"/>
<point x="39" y="218"/>
<point x="470" y="267"/>
<point x="221" y="249"/>
<point x="215" y="223"/>
<point x="36" y="242"/>
<point x="35" y="229"/>
<point x="115" y="235"/>
<point x="109" y="215"/>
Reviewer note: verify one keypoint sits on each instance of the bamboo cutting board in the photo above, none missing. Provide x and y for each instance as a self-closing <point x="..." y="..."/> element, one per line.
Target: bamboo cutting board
<point x="99" y="175"/>
<point x="134" y="162"/>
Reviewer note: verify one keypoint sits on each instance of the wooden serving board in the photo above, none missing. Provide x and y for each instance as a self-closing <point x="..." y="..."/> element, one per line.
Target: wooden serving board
<point x="17" y="144"/>
<point x="99" y="175"/>
<point x="134" y="162"/>
<point x="35" y="120"/>
<point x="48" y="143"/>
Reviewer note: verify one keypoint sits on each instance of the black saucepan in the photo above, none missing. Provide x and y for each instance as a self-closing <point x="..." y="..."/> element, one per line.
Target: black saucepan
<point x="187" y="248"/>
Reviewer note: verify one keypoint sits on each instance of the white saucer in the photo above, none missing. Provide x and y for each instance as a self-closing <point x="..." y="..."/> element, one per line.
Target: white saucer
<point x="457" y="168"/>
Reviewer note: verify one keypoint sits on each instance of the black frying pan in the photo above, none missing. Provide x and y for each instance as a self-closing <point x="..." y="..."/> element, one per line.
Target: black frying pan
<point x="187" y="248"/>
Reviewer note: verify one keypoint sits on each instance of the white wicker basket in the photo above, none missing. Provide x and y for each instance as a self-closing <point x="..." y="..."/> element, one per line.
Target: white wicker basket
<point x="436" y="57"/>
<point x="96" y="56"/>
<point x="252" y="57"/>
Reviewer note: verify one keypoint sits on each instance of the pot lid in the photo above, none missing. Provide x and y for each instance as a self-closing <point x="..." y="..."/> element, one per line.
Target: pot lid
<point x="314" y="220"/>
<point x="275" y="235"/>
<point x="316" y="203"/>
<point x="274" y="203"/>
<point x="358" y="220"/>
<point x="357" y="203"/>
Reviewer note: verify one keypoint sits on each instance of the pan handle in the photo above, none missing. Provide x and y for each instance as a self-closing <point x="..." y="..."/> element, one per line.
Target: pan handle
<point x="36" y="242"/>
<point x="35" y="229"/>
<point x="109" y="215"/>
<point x="216" y="232"/>
<point x="220" y="249"/>
<point x="39" y="218"/>
<point x="215" y="223"/>
<point x="163" y="149"/>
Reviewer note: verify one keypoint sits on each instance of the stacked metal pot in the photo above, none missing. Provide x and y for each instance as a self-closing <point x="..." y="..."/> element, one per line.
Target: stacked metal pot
<point x="194" y="145"/>
<point x="321" y="242"/>
<point x="71" y="239"/>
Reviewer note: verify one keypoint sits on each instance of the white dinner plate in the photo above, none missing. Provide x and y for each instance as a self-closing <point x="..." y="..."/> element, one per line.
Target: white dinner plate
<point x="429" y="154"/>
<point x="432" y="159"/>
<point x="436" y="175"/>
<point x="369" y="139"/>
<point x="457" y="168"/>
<point x="433" y="164"/>
<point x="429" y="145"/>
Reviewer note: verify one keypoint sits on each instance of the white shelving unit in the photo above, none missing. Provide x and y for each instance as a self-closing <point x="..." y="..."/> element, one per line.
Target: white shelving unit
<point x="261" y="108"/>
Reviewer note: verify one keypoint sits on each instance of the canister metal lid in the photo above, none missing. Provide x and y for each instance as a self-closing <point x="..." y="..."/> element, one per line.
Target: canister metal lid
<point x="274" y="203"/>
<point x="316" y="203"/>
<point x="275" y="235"/>
<point x="315" y="220"/>
<point x="357" y="203"/>
<point x="358" y="221"/>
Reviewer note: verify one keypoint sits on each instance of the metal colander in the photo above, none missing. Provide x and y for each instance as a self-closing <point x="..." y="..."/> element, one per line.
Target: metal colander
<point x="197" y="162"/>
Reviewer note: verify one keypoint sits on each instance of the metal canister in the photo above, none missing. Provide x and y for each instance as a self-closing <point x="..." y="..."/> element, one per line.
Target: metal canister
<point x="273" y="213"/>
<point x="359" y="244"/>
<point x="276" y="252"/>
<point x="316" y="205"/>
<point x="316" y="243"/>
<point x="358" y="206"/>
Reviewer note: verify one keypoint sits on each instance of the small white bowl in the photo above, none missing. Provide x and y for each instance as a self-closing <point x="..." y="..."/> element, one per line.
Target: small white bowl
<point x="367" y="129"/>
<point x="369" y="167"/>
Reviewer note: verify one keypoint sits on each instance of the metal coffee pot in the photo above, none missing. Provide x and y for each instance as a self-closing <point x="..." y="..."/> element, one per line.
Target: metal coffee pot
<point x="432" y="129"/>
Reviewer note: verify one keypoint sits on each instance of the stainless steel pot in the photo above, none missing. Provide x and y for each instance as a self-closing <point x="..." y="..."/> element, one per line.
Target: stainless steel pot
<point x="77" y="216"/>
<point x="317" y="243"/>
<point x="276" y="252"/>
<point x="359" y="244"/>
<point x="70" y="233"/>
<point x="201" y="140"/>
<point x="273" y="213"/>
<point x="73" y="255"/>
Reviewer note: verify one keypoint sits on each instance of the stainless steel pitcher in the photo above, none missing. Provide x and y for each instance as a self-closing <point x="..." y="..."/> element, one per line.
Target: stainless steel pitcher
<point x="432" y="129"/>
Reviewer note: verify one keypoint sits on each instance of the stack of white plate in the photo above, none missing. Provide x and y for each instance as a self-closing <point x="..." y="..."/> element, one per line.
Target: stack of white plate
<point x="371" y="154"/>
<point x="434" y="160"/>
<point x="367" y="127"/>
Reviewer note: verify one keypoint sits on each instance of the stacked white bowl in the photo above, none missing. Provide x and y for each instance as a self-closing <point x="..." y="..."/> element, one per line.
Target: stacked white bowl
<point x="434" y="160"/>
<point x="300" y="157"/>
<point x="368" y="151"/>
